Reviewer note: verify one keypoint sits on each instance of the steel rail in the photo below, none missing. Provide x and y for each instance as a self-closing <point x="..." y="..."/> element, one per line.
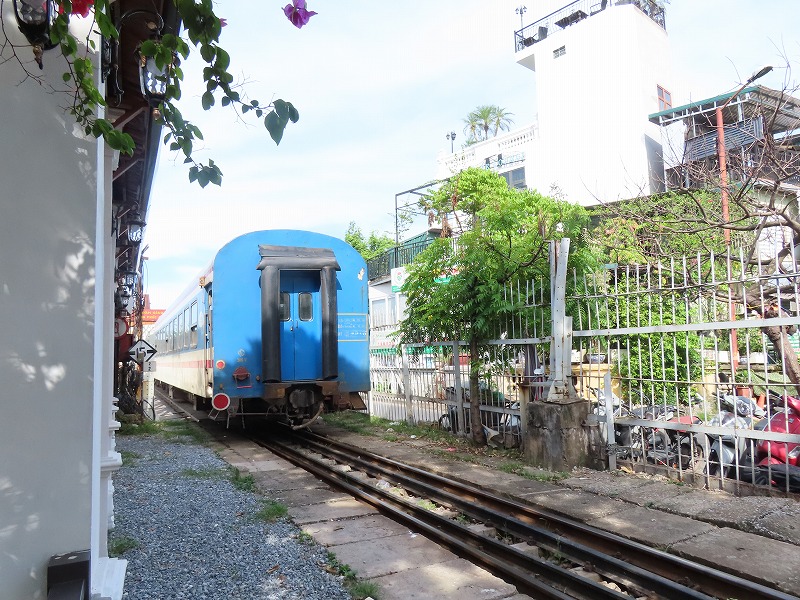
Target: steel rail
<point x="458" y="497"/>
<point x="647" y="567"/>
<point x="530" y="574"/>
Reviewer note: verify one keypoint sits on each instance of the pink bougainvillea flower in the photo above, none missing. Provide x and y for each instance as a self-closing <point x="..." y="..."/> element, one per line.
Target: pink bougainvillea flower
<point x="296" y="12"/>
<point x="82" y="7"/>
<point x="223" y="22"/>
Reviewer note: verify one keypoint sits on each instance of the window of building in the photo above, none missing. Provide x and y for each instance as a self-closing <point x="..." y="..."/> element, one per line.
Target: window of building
<point x="378" y="312"/>
<point x="515" y="178"/>
<point x="664" y="99"/>
<point x="561" y="51"/>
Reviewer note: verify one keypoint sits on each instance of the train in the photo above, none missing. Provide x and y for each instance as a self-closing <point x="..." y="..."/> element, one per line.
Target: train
<point x="276" y="328"/>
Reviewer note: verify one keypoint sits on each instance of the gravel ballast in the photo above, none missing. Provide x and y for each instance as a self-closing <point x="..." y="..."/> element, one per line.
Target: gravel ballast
<point x="196" y="536"/>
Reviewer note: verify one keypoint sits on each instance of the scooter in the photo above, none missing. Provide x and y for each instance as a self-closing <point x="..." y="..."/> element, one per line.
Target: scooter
<point x="627" y="438"/>
<point x="724" y="452"/>
<point x="778" y="463"/>
<point x="670" y="447"/>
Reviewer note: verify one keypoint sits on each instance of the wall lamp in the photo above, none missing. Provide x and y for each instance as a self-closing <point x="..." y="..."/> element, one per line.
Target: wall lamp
<point x="35" y="18"/>
<point x="135" y="225"/>
<point x="151" y="79"/>
<point x="127" y="278"/>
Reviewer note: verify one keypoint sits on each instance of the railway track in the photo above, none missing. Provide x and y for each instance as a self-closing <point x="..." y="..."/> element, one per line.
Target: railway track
<point x="543" y="554"/>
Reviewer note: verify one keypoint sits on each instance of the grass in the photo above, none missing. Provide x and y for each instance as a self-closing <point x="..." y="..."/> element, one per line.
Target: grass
<point x="184" y="428"/>
<point x="398" y="430"/>
<point x="450" y="447"/>
<point x="243" y="483"/>
<point x="117" y="546"/>
<point x="522" y="470"/>
<point x="360" y="590"/>
<point x="305" y="538"/>
<point x="426" y="504"/>
<point x="173" y="429"/>
<point x="339" y="568"/>
<point x="272" y="511"/>
<point x="144" y="428"/>
<point x="129" y="458"/>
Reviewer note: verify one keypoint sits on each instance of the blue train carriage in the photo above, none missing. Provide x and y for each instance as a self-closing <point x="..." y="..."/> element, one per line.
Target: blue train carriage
<point x="289" y="325"/>
<point x="276" y="327"/>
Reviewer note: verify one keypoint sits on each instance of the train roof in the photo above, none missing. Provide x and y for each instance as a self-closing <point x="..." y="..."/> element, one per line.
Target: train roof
<point x="275" y="237"/>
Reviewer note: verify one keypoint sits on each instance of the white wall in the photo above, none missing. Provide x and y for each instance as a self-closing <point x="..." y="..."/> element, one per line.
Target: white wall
<point x="593" y="102"/>
<point x="52" y="354"/>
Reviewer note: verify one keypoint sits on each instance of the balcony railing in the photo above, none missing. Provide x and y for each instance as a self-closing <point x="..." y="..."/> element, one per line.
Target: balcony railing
<point x="382" y="265"/>
<point x="578" y="11"/>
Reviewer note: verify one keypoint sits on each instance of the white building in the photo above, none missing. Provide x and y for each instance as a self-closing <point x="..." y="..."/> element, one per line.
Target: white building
<point x="601" y="68"/>
<point x="65" y="197"/>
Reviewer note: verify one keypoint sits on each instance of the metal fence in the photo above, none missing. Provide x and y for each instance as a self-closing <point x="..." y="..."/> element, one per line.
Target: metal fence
<point x="684" y="372"/>
<point x="429" y="383"/>
<point x="680" y="373"/>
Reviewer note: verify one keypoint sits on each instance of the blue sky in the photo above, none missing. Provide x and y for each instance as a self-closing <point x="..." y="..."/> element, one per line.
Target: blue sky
<point x="378" y="85"/>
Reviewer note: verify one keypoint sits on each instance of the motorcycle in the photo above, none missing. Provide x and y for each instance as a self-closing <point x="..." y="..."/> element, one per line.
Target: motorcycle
<point x="667" y="446"/>
<point x="778" y="463"/>
<point x="627" y="438"/>
<point x="724" y="452"/>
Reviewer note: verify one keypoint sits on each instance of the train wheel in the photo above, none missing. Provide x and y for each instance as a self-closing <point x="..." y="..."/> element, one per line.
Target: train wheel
<point x="301" y="421"/>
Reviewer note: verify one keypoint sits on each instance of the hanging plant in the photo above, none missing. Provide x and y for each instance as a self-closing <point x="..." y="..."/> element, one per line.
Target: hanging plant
<point x="202" y="27"/>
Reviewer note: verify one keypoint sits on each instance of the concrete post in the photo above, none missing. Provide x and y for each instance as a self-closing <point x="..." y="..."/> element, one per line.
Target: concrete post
<point x="556" y="433"/>
<point x="407" y="385"/>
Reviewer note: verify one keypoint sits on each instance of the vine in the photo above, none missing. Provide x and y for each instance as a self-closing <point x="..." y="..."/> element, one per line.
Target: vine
<point x="203" y="29"/>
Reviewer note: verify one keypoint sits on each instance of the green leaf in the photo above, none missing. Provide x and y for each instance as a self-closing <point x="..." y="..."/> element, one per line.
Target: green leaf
<point x="223" y="59"/>
<point x="207" y="100"/>
<point x="275" y="125"/>
<point x="207" y="52"/>
<point x="293" y="114"/>
<point x="282" y="108"/>
<point x="148" y="48"/>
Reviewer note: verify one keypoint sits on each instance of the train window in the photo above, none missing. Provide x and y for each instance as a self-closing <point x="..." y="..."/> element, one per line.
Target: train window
<point x="193" y="329"/>
<point x="285" y="309"/>
<point x="305" y="307"/>
<point x="181" y="332"/>
<point x="187" y="324"/>
<point x="174" y="346"/>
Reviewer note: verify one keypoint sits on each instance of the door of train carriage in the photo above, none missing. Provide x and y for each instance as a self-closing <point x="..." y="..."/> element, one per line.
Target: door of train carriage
<point x="301" y="326"/>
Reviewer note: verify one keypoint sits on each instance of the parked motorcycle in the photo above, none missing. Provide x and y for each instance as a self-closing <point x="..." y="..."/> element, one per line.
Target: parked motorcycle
<point x="667" y="446"/>
<point x="724" y="452"/>
<point x="627" y="438"/>
<point x="778" y="463"/>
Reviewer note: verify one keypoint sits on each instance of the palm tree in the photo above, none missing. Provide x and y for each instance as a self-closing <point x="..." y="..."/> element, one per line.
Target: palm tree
<point x="485" y="119"/>
<point x="502" y="120"/>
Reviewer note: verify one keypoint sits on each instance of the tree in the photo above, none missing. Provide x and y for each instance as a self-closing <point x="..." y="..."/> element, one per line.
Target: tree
<point x="500" y="235"/>
<point x="203" y="29"/>
<point x="762" y="173"/>
<point x="370" y="247"/>
<point x="484" y="120"/>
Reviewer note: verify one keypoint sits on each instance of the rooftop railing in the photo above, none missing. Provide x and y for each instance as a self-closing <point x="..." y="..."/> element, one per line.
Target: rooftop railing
<point x="382" y="265"/>
<point x="578" y="11"/>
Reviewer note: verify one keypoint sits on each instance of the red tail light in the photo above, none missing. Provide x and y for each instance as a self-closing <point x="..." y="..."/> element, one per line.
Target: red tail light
<point x="221" y="402"/>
